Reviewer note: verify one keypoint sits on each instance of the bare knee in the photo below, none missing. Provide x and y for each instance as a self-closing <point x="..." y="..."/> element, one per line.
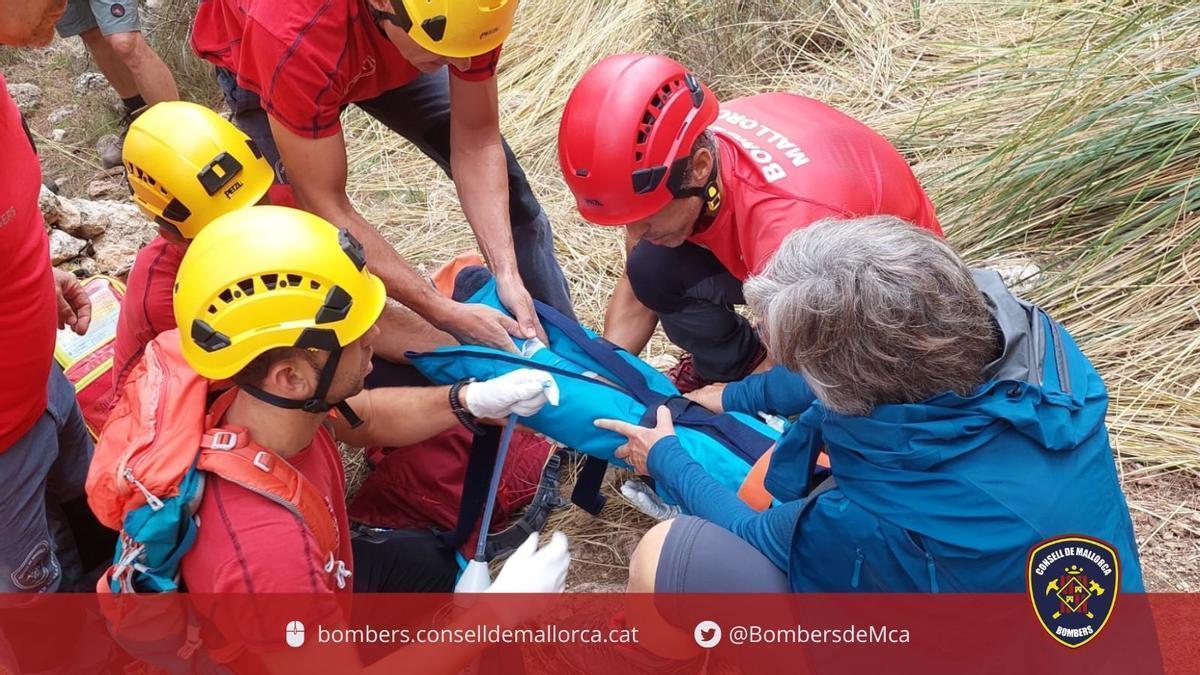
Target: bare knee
<point x="643" y="565"/>
<point x="131" y="47"/>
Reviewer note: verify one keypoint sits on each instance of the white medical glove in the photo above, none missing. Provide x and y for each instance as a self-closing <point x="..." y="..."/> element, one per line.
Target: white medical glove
<point x="533" y="570"/>
<point x="522" y="392"/>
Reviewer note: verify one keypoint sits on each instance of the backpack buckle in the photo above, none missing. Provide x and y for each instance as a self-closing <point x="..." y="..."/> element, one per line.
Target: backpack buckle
<point x="262" y="461"/>
<point x="223" y="440"/>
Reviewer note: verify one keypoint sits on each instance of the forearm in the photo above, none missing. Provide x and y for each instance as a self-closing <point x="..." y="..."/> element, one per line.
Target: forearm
<point x="399" y="278"/>
<point x="401" y="330"/>
<point x="480" y="173"/>
<point x="398" y="416"/>
<point x="699" y="494"/>
<point x="627" y="322"/>
<point x="778" y="391"/>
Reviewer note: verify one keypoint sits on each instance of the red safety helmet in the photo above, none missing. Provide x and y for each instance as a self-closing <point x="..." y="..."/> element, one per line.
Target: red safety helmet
<point x="626" y="134"/>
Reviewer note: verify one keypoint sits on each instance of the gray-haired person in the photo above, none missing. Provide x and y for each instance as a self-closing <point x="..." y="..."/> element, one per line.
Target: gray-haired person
<point x="962" y="425"/>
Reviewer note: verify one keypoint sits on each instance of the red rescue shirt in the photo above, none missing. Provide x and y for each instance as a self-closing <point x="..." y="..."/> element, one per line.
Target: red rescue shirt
<point x="28" y="305"/>
<point x="147" y="309"/>
<point x="787" y="161"/>
<point x="307" y="59"/>
<point x="249" y="544"/>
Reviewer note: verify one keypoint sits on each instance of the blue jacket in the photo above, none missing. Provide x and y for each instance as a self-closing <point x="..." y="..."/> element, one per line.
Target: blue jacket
<point x="948" y="494"/>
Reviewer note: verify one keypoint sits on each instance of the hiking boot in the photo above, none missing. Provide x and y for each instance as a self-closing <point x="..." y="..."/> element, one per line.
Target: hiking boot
<point x="685" y="378"/>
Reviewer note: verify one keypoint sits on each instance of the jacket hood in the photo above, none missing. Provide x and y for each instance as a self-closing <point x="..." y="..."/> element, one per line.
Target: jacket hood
<point x="1041" y="386"/>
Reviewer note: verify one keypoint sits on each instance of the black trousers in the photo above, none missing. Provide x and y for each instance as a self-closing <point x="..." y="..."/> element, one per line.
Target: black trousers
<point x="401" y="561"/>
<point x="694" y="296"/>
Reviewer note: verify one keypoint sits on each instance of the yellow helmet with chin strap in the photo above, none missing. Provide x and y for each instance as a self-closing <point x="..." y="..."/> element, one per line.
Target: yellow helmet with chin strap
<point x="187" y="165"/>
<point x="454" y="28"/>
<point x="266" y="277"/>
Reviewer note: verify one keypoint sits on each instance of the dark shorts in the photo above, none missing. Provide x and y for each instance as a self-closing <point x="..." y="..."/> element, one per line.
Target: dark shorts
<point x="700" y="557"/>
<point x="694" y="297"/>
<point x="42" y="471"/>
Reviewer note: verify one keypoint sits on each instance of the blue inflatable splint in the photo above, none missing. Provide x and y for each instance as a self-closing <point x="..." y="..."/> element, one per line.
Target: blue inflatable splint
<point x="597" y="379"/>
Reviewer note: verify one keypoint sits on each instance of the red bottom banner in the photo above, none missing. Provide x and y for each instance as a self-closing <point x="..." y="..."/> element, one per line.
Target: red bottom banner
<point x="1001" y="633"/>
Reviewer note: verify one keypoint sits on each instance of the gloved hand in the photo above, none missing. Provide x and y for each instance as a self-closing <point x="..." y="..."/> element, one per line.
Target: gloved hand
<point x="647" y="501"/>
<point x="533" y="570"/>
<point x="522" y="392"/>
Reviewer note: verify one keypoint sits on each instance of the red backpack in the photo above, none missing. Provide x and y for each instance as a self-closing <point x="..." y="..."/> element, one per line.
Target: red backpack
<point x="440" y="483"/>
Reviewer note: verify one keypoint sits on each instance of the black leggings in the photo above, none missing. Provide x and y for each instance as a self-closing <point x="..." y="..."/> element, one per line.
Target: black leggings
<point x="401" y="561"/>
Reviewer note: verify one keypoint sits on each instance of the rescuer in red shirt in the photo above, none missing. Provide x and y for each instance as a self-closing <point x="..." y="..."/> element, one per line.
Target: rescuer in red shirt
<point x="48" y="537"/>
<point x="707" y="191"/>
<point x="427" y="71"/>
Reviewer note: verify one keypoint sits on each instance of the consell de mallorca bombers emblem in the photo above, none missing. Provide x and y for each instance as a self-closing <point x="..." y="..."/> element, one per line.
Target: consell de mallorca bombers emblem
<point x="1073" y="582"/>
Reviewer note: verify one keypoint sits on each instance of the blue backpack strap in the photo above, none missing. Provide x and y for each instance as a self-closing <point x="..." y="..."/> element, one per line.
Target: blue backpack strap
<point x="602" y="351"/>
<point x="740" y="438"/>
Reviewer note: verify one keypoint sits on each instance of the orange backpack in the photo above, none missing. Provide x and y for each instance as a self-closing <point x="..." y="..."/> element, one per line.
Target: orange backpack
<point x="147" y="476"/>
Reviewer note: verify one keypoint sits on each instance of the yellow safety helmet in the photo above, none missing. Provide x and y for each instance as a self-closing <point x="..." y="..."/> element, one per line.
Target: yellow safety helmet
<point x="186" y="165"/>
<point x="454" y="28"/>
<point x="270" y="276"/>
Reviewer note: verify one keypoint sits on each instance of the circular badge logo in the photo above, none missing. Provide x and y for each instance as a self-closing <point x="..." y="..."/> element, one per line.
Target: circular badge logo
<point x="117" y="10"/>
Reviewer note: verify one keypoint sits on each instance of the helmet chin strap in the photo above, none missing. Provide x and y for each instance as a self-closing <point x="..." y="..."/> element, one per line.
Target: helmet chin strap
<point x="708" y="192"/>
<point x="317" y="403"/>
<point x="710" y="195"/>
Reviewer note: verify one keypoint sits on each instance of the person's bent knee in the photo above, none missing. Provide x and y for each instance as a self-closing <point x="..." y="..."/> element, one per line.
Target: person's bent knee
<point x="643" y="564"/>
<point x="128" y="46"/>
<point x="648" y="268"/>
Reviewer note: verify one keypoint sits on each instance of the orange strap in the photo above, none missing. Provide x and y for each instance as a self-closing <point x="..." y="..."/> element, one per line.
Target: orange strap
<point x="227" y="453"/>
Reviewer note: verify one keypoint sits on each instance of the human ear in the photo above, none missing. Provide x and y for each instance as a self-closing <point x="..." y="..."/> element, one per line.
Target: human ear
<point x="702" y="164"/>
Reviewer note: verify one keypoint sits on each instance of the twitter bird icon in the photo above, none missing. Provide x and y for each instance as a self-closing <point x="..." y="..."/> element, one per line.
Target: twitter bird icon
<point x="707" y="634"/>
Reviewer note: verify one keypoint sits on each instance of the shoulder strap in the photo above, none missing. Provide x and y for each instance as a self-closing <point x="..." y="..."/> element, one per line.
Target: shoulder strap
<point x="484" y="448"/>
<point x="228" y="455"/>
<point x="739" y="438"/>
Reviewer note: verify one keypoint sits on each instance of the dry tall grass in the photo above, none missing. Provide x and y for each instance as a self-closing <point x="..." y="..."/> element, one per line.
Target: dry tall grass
<point x="1064" y="132"/>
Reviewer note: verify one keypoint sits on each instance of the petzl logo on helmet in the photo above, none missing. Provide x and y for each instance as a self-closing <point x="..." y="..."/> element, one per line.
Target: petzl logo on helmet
<point x="1073" y="583"/>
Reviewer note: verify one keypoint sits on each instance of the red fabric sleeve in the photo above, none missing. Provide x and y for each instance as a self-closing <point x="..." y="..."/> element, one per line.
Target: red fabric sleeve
<point x="294" y="85"/>
<point x="147" y="309"/>
<point x="482" y="67"/>
<point x="774" y="220"/>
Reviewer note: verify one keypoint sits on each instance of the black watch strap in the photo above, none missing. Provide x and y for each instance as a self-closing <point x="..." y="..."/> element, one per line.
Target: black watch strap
<point x="460" y="411"/>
